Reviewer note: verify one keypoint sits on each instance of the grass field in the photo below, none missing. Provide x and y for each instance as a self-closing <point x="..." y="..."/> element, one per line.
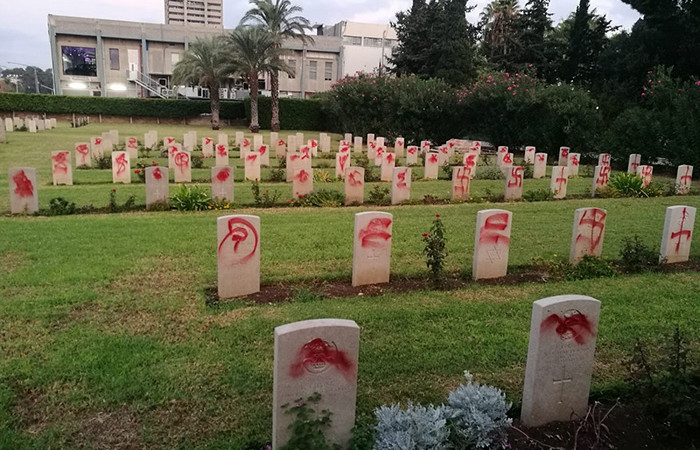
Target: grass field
<point x="106" y="340"/>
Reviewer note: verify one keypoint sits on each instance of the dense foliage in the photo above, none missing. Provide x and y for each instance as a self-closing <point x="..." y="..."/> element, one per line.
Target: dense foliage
<point x="295" y="114"/>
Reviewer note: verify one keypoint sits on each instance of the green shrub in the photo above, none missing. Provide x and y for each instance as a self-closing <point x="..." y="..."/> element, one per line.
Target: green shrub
<point x="324" y="198"/>
<point x="323" y="176"/>
<point x="588" y="267"/>
<point x="636" y="256"/>
<point x="435" y="251"/>
<point x="197" y="162"/>
<point x="379" y="195"/>
<point x="490" y="173"/>
<point x="307" y="428"/>
<point x="190" y="198"/>
<point x="278" y="175"/>
<point x="114" y="207"/>
<point x="105" y="162"/>
<point x="295" y="114"/>
<point x="539" y="195"/>
<point x="264" y="199"/>
<point x="625" y="184"/>
<point x="59" y="206"/>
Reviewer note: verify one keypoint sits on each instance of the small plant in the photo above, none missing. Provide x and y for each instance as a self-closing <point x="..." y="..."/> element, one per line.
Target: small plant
<point x="378" y="195"/>
<point x="539" y="195"/>
<point x="308" y="426"/>
<point x="264" y="199"/>
<point x="141" y="166"/>
<point x="361" y="160"/>
<point x="306" y="295"/>
<point x="114" y="207"/>
<point x="59" y="206"/>
<point x="416" y="427"/>
<point x="636" y="256"/>
<point x="447" y="170"/>
<point x="323" y="176"/>
<point x="104" y="162"/>
<point x="197" y="162"/>
<point x="625" y="184"/>
<point x="190" y="198"/>
<point x="325" y="198"/>
<point x="219" y="204"/>
<point x="529" y="171"/>
<point x="435" y="251"/>
<point x="278" y="175"/>
<point x="590" y="267"/>
<point x="490" y="173"/>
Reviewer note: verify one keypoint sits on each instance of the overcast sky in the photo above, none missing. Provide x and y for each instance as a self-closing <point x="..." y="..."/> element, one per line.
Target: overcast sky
<point x="24" y="31"/>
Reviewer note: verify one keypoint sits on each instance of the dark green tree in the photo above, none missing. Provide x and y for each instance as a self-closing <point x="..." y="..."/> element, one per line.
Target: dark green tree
<point x="26" y="79"/>
<point x="533" y="29"/>
<point x="499" y="27"/>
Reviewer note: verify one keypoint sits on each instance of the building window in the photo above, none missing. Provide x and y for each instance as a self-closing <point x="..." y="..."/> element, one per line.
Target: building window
<point x="293" y="64"/>
<point x="328" y="73"/>
<point x="79" y="61"/>
<point x="313" y="68"/>
<point x="352" y="40"/>
<point x="373" y="42"/>
<point x="114" y="59"/>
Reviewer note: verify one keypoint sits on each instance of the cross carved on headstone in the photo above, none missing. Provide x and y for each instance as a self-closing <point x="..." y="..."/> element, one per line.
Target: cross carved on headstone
<point x="561" y="382"/>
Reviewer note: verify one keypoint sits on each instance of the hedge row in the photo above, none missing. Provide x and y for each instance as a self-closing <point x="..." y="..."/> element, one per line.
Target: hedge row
<point x="130" y="107"/>
<point x="295" y="114"/>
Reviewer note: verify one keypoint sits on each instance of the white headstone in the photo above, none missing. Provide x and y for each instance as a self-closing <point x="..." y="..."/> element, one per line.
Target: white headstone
<point x="400" y="185"/>
<point x="222" y="183"/>
<point x="601" y="178"/>
<point x="222" y="155"/>
<point x="370" y="138"/>
<point x="183" y="167"/>
<point x="388" y="164"/>
<point x="238" y="138"/>
<point x="238" y="255"/>
<point x="530" y="155"/>
<point x="264" y="152"/>
<point x="514" y="183"/>
<point x="342" y="162"/>
<point x="604" y="159"/>
<point x="157" y="191"/>
<point x="313" y="145"/>
<point x="461" y="181"/>
<point x="678" y="234"/>
<point x="292" y="143"/>
<point x="3" y="134"/>
<point x="173" y="148"/>
<point x="9" y="125"/>
<point x="560" y="181"/>
<point x="379" y="157"/>
<point x="150" y="139"/>
<point x="280" y="149"/>
<point x="587" y="236"/>
<point x="491" y="244"/>
<point x="357" y="144"/>
<point x="61" y="168"/>
<point x="252" y="166"/>
<point x="399" y="147"/>
<point x="24" y="198"/>
<point x="646" y="173"/>
<point x="347" y="137"/>
<point x="411" y="155"/>
<point x="257" y="140"/>
<point x="132" y="146"/>
<point x="563" y="155"/>
<point x="559" y="359"/>
<point x="40" y="124"/>
<point x="222" y="138"/>
<point x="684" y="179"/>
<point x="82" y="154"/>
<point x="372" y="151"/>
<point x="114" y="137"/>
<point x="303" y="182"/>
<point x="300" y="138"/>
<point x="431" y="166"/>
<point x="207" y="147"/>
<point x="540" y="169"/>
<point x="245" y="147"/>
<point x="354" y="185"/>
<point x="274" y="139"/>
<point x="371" y="259"/>
<point x="634" y="162"/>
<point x="470" y="161"/>
<point x="316" y="356"/>
<point x="96" y="147"/>
<point x="121" y="167"/>
<point x="573" y="164"/>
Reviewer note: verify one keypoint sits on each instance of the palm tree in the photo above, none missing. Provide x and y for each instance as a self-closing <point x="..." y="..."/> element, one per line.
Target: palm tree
<point x="280" y="19"/>
<point x="498" y="21"/>
<point x="206" y="63"/>
<point x="253" y="51"/>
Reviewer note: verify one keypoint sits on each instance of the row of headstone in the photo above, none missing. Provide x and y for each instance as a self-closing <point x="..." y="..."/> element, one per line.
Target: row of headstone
<point x="80" y="121"/>
<point x="321" y="357"/>
<point x="239" y="245"/>
<point x="33" y="124"/>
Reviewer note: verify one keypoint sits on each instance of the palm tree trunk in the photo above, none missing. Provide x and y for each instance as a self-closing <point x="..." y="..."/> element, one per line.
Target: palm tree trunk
<point x="254" y="122"/>
<point x="275" y="101"/>
<point x="214" y="99"/>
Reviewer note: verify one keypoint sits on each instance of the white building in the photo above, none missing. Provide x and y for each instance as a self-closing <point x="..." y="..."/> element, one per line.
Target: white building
<point x="195" y="12"/>
<point x="366" y="46"/>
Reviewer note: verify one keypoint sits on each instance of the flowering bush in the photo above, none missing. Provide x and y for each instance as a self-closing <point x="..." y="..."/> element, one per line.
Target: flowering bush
<point x="140" y="170"/>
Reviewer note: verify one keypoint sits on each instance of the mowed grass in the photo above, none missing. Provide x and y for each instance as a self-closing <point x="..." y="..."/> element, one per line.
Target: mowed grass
<point x="106" y="340"/>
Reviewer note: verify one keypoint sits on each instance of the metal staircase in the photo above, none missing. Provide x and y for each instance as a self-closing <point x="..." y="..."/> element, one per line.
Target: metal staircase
<point x="148" y="83"/>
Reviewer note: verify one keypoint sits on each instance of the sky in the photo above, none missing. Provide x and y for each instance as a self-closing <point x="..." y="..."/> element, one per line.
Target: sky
<point x="24" y="30"/>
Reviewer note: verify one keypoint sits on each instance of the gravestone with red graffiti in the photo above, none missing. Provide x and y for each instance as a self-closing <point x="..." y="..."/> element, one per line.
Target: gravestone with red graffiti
<point x="506" y="163"/>
<point x="316" y="356"/>
<point x="411" y="155"/>
<point x="573" y="164"/>
<point x="238" y="255"/>
<point x="604" y="159"/>
<point x="303" y="182"/>
<point x="684" y="179"/>
<point x="257" y="141"/>
<point x="563" y="156"/>
<point x="372" y="151"/>
<point x="371" y="258"/>
<point x="425" y="146"/>
<point x="251" y="166"/>
<point x="560" y="181"/>
<point x="443" y="155"/>
<point x="132" y="146"/>
<point x="646" y="173"/>
<point x="83" y="155"/>
<point x="491" y="244"/>
<point x="183" y="167"/>
<point x="399" y="147"/>
<point x="461" y="182"/>
<point x="207" y="147"/>
<point x="24" y="198"/>
<point x="245" y="148"/>
<point x="560" y="354"/>
<point x="400" y="185"/>
<point x="357" y="144"/>
<point x="354" y="185"/>
<point x="96" y="147"/>
<point x="313" y="145"/>
<point x="388" y="164"/>
<point x="221" y="154"/>
<point x="514" y="183"/>
<point x="502" y="150"/>
<point x="476" y="147"/>
<point x="222" y="183"/>
<point x="379" y="157"/>
<point x="172" y="149"/>
<point x="61" y="168"/>
<point x="121" y="167"/>
<point x="431" y="166"/>
<point x="470" y="160"/>
<point x="530" y="155"/>
<point x="588" y="233"/>
<point x="264" y="152"/>
<point x="678" y="234"/>
<point x="601" y="178"/>
<point x="157" y="187"/>
<point x="280" y="149"/>
<point x="342" y="162"/>
<point x="370" y="138"/>
<point x="222" y="138"/>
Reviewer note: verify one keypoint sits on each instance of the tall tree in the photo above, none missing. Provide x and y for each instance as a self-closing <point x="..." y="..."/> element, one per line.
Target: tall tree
<point x="282" y="20"/>
<point x="587" y="40"/>
<point x="254" y="51"/>
<point x="533" y="28"/>
<point x="499" y="28"/>
<point x="206" y="63"/>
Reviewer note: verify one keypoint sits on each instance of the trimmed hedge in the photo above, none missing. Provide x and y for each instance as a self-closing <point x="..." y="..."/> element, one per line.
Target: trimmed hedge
<point x="295" y="113"/>
<point x="130" y="107"/>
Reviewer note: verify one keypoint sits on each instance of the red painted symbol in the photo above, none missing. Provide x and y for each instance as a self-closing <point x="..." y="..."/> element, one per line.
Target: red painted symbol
<point x="262" y="150"/>
<point x="443" y="150"/>
<point x="380" y="152"/>
<point x="280" y="143"/>
<point x="470" y="161"/>
<point x="345" y="149"/>
<point x="412" y="150"/>
<point x="399" y="143"/>
<point x="564" y="152"/>
<point x="83" y="150"/>
<point x="342" y="159"/>
<point x="172" y="150"/>
<point x="355" y="179"/>
<point x="575" y="326"/>
<point x="98" y="141"/>
<point x="516" y="177"/>
<point x="492" y="230"/>
<point x="302" y="176"/>
<point x="426" y="144"/>
<point x="305" y="152"/>
<point x="502" y="149"/>
<point x="293" y="157"/>
<point x="401" y="176"/>
<point x="133" y="142"/>
<point x="157" y="174"/>
<point x="60" y="162"/>
<point x="389" y="158"/>
<point x="182" y="160"/>
<point x="451" y="144"/>
<point x="433" y="158"/>
<point x="23" y="186"/>
<point x="646" y="174"/>
<point x="605" y="159"/>
<point x="239" y="230"/>
<point x="207" y="141"/>
<point x="375" y="234"/>
<point x="121" y="163"/>
<point x="595" y="219"/>
<point x="687" y="178"/>
<point x="561" y="180"/>
<point x="462" y="178"/>
<point x="373" y="145"/>
<point x="603" y="176"/>
<point x="221" y="150"/>
<point x="507" y="158"/>
<point x="476" y="147"/>
<point x="574" y="159"/>
<point x="681" y="233"/>
<point x="635" y="162"/>
<point x="171" y="140"/>
<point x="250" y="159"/>
<point x="246" y="142"/>
<point x="318" y="356"/>
<point x="541" y="158"/>
<point x="223" y="174"/>
<point x="314" y="144"/>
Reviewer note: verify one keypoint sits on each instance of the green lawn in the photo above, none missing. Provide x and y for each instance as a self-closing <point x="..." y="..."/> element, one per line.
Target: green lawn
<point x="106" y="340"/>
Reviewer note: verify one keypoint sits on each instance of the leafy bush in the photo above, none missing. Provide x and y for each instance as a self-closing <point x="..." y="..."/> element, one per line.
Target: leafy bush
<point x="190" y="198"/>
<point x="435" y="251"/>
<point x="490" y="173"/>
<point x="361" y="160"/>
<point x="197" y="162"/>
<point x="379" y="195"/>
<point x="324" y="198"/>
<point x="588" y="267"/>
<point x="625" y="184"/>
<point x="539" y="195"/>
<point x="265" y="199"/>
<point x="415" y="428"/>
<point x="295" y="113"/>
<point x="113" y="206"/>
<point x="105" y="162"/>
<point x="307" y="428"/>
<point x="59" y="206"/>
<point x="278" y="175"/>
<point x="323" y="176"/>
<point x="636" y="256"/>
